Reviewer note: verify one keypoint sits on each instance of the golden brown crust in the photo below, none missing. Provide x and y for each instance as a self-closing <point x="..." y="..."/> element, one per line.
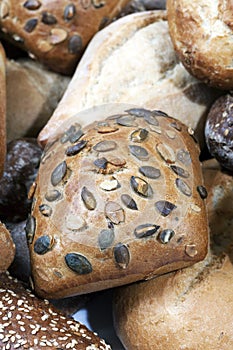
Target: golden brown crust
<point x="7" y="248"/>
<point x="193" y="307"/>
<point x="202" y="36"/>
<point x="31" y="323"/>
<point x="120" y="220"/>
<point x="56" y="32"/>
<point x="2" y="109"/>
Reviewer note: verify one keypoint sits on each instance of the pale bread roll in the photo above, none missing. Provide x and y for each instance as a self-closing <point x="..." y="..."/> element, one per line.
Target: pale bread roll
<point x="133" y="61"/>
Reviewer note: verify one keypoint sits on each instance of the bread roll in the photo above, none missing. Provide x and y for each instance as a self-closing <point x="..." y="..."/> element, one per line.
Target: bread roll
<point x="193" y="307"/>
<point x="2" y="109"/>
<point x="30" y="323"/>
<point x="133" y="61"/>
<point x="56" y="34"/>
<point x="201" y="33"/>
<point x="30" y="106"/>
<point x="120" y="201"/>
<point x="219" y="131"/>
<point x="7" y="248"/>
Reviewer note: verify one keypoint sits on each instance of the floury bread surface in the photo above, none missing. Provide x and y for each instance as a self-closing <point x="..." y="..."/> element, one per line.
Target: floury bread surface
<point x="133" y="61"/>
<point x="119" y="201"/>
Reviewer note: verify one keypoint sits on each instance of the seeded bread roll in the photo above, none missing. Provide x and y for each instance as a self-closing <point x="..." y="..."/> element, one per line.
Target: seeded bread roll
<point x="119" y="201"/>
<point x="30" y="323"/>
<point x="2" y="109"/>
<point x="193" y="307"/>
<point x="112" y="70"/>
<point x="56" y="33"/>
<point x="7" y="248"/>
<point x="202" y="36"/>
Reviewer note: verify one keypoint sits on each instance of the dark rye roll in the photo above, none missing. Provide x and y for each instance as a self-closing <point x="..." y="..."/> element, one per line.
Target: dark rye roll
<point x="119" y="201"/>
<point x="56" y="32"/>
<point x="31" y="323"/>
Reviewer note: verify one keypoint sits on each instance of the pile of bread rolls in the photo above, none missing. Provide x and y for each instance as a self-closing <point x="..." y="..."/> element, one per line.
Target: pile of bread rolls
<point x="116" y="144"/>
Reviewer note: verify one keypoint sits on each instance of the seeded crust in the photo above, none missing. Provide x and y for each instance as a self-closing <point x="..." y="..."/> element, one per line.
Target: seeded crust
<point x="122" y="203"/>
<point x="112" y="71"/>
<point x="55" y="32"/>
<point x="31" y="323"/>
<point x="193" y="307"/>
<point x="202" y="37"/>
<point x="2" y="109"/>
<point x="7" y="248"/>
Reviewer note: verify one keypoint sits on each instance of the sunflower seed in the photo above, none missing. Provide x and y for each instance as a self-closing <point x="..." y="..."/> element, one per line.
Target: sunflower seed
<point x="139" y="152"/>
<point x="150" y="172"/>
<point x="57" y="36"/>
<point x="45" y="210"/>
<point x="166" y="235"/>
<point x="114" y="212"/>
<point x="58" y="173"/>
<point x="75" y="45"/>
<point x="180" y="171"/>
<point x="106" y="129"/>
<point x="139" y="135"/>
<point x="183" y="187"/>
<point x="176" y="126"/>
<point x="48" y="18"/>
<point x="78" y="263"/>
<point x="165" y="207"/>
<point x="195" y="208"/>
<point x="202" y="192"/>
<point x="171" y="134"/>
<point x="98" y="3"/>
<point x="43" y="244"/>
<point x="126" y="120"/>
<point x="75" y="149"/>
<point x="75" y="136"/>
<point x="52" y="195"/>
<point x="69" y="12"/>
<point x="139" y="112"/>
<point x="30" y="25"/>
<point x="121" y="255"/>
<point x="30" y="228"/>
<point x="110" y="184"/>
<point x="129" y="202"/>
<point x="105" y="238"/>
<point x="119" y="162"/>
<point x="88" y="199"/>
<point x="145" y="230"/>
<point x="32" y="4"/>
<point x="105" y="146"/>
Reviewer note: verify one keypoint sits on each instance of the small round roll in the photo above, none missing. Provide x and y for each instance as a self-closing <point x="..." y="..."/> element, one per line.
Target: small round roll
<point x="202" y="33"/>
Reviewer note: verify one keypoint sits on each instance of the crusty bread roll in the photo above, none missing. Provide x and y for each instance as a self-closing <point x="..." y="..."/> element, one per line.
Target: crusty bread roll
<point x="193" y="307"/>
<point x="133" y="61"/>
<point x="119" y="201"/>
<point x="7" y="248"/>
<point x="2" y="109"/>
<point x="30" y="323"/>
<point x="32" y="94"/>
<point x="201" y="32"/>
<point x="56" y="33"/>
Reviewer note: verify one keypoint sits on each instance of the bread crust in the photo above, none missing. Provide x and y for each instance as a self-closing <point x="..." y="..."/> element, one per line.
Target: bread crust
<point x="112" y="71"/>
<point x="182" y="310"/>
<point x="53" y="31"/>
<point x="2" y="109"/>
<point x="113" y="239"/>
<point x="7" y="248"/>
<point x="202" y="37"/>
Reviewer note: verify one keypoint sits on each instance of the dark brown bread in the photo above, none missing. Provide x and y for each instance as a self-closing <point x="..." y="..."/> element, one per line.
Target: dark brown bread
<point x="56" y="32"/>
<point x="30" y="323"/>
<point x="116" y="202"/>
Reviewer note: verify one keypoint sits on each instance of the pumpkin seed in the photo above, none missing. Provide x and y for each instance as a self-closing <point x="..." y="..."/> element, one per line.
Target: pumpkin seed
<point x="88" y="199"/>
<point x="139" y="135"/>
<point x="165" y="207"/>
<point x="150" y="172"/>
<point x="78" y="263"/>
<point x="43" y="244"/>
<point x="129" y="202"/>
<point x="183" y="187"/>
<point x="121" y="255"/>
<point x="58" y="173"/>
<point x="106" y="238"/>
<point x="139" y="152"/>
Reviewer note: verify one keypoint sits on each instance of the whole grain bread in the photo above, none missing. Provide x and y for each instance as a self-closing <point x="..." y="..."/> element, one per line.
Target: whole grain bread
<point x="133" y="61"/>
<point x="2" y="108"/>
<point x="55" y="32"/>
<point x="7" y="248"/>
<point x="119" y="201"/>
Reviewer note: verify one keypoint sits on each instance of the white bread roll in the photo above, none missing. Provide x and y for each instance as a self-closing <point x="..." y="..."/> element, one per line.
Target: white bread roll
<point x="133" y="61"/>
